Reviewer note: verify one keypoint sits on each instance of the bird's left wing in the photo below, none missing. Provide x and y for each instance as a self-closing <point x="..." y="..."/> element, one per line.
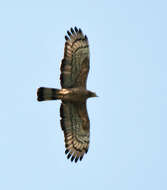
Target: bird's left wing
<point x="75" y="124"/>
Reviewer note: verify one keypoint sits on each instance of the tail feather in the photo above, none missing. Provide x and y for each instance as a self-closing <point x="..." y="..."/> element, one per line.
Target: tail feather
<point x="48" y="94"/>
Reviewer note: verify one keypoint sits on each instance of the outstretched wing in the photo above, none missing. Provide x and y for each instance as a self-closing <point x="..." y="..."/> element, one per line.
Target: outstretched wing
<point x="75" y="124"/>
<point x="75" y="64"/>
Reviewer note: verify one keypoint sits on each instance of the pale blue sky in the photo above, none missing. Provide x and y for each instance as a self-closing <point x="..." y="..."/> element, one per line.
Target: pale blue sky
<point x="128" y="45"/>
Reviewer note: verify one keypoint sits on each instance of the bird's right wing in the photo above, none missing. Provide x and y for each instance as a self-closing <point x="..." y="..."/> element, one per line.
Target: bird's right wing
<point x="75" y="64"/>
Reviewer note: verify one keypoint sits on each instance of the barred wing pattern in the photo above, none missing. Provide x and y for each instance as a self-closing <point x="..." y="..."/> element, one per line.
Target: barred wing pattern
<point x="75" y="64"/>
<point x="75" y="124"/>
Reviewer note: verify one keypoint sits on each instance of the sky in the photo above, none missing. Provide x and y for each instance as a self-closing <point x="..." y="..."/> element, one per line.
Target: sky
<point x="128" y="71"/>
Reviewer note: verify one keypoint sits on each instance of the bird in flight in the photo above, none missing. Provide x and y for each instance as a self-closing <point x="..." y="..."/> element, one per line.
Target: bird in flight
<point x="73" y="94"/>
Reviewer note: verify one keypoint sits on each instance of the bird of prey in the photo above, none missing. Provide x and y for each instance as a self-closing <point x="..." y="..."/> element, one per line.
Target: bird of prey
<point x="74" y="94"/>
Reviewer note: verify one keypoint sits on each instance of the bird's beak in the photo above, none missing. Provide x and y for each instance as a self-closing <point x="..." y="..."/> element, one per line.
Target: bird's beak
<point x="93" y="94"/>
<point x="96" y="95"/>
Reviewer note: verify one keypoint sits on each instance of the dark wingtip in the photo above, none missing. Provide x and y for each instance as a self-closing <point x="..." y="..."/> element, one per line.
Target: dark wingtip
<point x="66" y="37"/>
<point x="86" y="38"/>
<point x="81" y="158"/>
<point x="72" y="30"/>
<point x="68" y="156"/>
<point x="80" y="31"/>
<point x="72" y="158"/>
<point x="68" y="33"/>
<point x="76" y="29"/>
<point x="76" y="159"/>
<point x="66" y="151"/>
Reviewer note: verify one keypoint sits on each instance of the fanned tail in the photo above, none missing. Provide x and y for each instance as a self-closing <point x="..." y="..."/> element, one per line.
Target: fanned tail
<point x="44" y="94"/>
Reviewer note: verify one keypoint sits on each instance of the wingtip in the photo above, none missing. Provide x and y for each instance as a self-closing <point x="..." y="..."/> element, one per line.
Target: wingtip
<point x="76" y="29"/>
<point x="72" y="30"/>
<point x="68" y="32"/>
<point x="86" y="38"/>
<point x="66" y="37"/>
<point x="68" y="156"/>
<point x="80" y="31"/>
<point x="66" y="151"/>
<point x="76" y="159"/>
<point x="72" y="158"/>
<point x="81" y="158"/>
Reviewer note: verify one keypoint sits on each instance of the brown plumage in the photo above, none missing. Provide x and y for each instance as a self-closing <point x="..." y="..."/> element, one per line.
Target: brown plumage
<point x="73" y="111"/>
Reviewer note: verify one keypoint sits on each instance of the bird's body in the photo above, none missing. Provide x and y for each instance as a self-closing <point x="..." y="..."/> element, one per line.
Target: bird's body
<point x="73" y="112"/>
<point x="66" y="95"/>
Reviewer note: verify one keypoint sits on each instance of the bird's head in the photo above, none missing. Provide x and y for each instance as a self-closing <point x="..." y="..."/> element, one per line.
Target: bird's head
<point x="92" y="94"/>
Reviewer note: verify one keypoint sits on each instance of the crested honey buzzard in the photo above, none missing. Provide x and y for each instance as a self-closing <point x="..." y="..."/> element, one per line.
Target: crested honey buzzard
<point x="74" y="94"/>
